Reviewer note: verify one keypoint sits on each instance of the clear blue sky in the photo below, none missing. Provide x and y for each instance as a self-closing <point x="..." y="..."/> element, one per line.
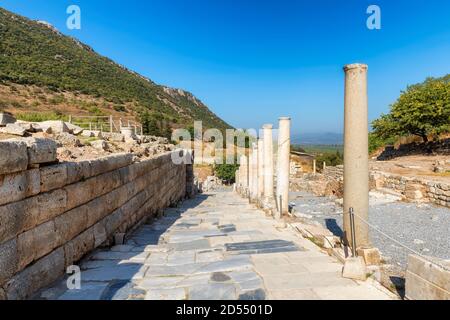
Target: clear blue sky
<point x="252" y="61"/>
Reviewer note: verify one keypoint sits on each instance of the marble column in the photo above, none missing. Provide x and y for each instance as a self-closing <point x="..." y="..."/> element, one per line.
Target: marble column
<point x="250" y="173"/>
<point x="314" y="166"/>
<point x="284" y="152"/>
<point x="255" y="177"/>
<point x="260" y="170"/>
<point x="244" y="174"/>
<point x="268" y="166"/>
<point x="356" y="158"/>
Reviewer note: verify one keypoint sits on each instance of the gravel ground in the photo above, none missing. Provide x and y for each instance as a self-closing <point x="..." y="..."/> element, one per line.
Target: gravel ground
<point x="422" y="227"/>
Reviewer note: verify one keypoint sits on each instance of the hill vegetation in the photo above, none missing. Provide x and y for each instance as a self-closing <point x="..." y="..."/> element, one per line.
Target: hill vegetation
<point x="70" y="74"/>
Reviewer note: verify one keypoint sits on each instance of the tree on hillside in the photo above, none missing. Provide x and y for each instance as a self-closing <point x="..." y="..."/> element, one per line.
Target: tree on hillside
<point x="421" y="110"/>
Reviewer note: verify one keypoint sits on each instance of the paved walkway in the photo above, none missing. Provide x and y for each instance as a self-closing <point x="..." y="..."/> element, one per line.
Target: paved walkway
<point x="216" y="246"/>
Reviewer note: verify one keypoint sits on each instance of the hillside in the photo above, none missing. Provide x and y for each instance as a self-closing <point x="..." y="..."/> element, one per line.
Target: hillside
<point x="44" y="70"/>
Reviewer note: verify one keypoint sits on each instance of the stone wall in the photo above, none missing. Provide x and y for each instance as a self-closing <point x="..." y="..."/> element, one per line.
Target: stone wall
<point x="52" y="215"/>
<point x="331" y="182"/>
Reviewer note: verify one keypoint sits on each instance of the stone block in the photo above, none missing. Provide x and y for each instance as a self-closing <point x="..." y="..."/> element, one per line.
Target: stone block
<point x="35" y="243"/>
<point x="54" y="126"/>
<point x="70" y="224"/>
<point x="53" y="177"/>
<point x="51" y="204"/>
<point x="76" y="130"/>
<point x="17" y="217"/>
<point x="110" y="163"/>
<point x="19" y="185"/>
<point x="76" y="248"/>
<point x="100" y="235"/>
<point x="355" y="268"/>
<point x="14" y="129"/>
<point x="426" y="280"/>
<point x="5" y="118"/>
<point x="41" y="150"/>
<point x="13" y="156"/>
<point x="371" y="256"/>
<point x="78" y="171"/>
<point x="8" y="260"/>
<point x="2" y="294"/>
<point x="40" y="274"/>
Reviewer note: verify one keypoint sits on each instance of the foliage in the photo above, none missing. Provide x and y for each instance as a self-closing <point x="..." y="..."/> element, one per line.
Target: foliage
<point x="34" y="54"/>
<point x="330" y="158"/>
<point x="226" y="172"/>
<point x="38" y="117"/>
<point x="422" y="110"/>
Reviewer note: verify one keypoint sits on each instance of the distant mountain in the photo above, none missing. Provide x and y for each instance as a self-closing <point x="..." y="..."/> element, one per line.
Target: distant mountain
<point x="36" y="55"/>
<point x="327" y="138"/>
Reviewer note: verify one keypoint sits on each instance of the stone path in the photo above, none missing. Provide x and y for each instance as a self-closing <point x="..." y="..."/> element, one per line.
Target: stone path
<point x="216" y="246"/>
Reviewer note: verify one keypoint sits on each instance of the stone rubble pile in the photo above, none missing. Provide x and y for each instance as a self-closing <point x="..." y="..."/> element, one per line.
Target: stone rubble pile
<point x="75" y="142"/>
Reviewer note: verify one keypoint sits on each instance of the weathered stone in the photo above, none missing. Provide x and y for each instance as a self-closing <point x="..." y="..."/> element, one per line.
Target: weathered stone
<point x="20" y="185"/>
<point x="41" y="150"/>
<point x="38" y="275"/>
<point x="5" y="118"/>
<point x="51" y="204"/>
<point x="117" y="137"/>
<point x="371" y="256"/>
<point x="76" y="248"/>
<point x="14" y="129"/>
<point x="355" y="268"/>
<point x="13" y="156"/>
<point x="8" y="260"/>
<point x="76" y="130"/>
<point x="213" y="291"/>
<point x="426" y="280"/>
<point x="77" y="171"/>
<point x="100" y="145"/>
<point x="69" y="140"/>
<point x="53" y="177"/>
<point x="56" y="126"/>
<point x="36" y="243"/>
<point x="166" y="294"/>
<point x="70" y="224"/>
<point x="92" y="134"/>
<point x="2" y="294"/>
<point x="100" y="235"/>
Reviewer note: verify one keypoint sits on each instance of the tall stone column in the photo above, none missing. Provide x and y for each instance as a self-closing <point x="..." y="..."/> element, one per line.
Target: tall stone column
<point x="268" y="165"/>
<point x="314" y="166"/>
<point x="260" y="169"/>
<point x="250" y="173"/>
<point x="255" y="177"/>
<point x="244" y="174"/>
<point x="236" y="179"/>
<point x="284" y="152"/>
<point x="356" y="158"/>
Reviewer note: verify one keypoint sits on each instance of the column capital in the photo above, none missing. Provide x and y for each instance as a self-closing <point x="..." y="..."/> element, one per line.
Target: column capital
<point x="284" y="118"/>
<point x="268" y="126"/>
<point x="352" y="66"/>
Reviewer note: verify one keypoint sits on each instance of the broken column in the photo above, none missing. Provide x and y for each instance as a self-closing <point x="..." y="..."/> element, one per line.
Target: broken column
<point x="260" y="170"/>
<point x="314" y="166"/>
<point x="356" y="163"/>
<point x="268" y="166"/>
<point x="284" y="146"/>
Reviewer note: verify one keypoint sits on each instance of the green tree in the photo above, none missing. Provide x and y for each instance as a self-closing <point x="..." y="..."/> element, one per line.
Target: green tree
<point x="226" y="171"/>
<point x="423" y="109"/>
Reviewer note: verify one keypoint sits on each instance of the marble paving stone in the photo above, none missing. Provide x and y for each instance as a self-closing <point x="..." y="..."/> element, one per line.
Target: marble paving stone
<point x="293" y="294"/>
<point x="166" y="294"/>
<point x="120" y="290"/>
<point x="122" y="248"/>
<point x="118" y="272"/>
<point x="159" y="282"/>
<point x="113" y="255"/>
<point x="257" y="294"/>
<point x="213" y="291"/>
<point x="305" y="281"/>
<point x="191" y="245"/>
<point x="88" y="291"/>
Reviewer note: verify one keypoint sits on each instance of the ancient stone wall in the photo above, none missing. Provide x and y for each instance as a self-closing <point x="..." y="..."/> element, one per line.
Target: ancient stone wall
<point x="52" y="215"/>
<point x="437" y="147"/>
<point x="330" y="182"/>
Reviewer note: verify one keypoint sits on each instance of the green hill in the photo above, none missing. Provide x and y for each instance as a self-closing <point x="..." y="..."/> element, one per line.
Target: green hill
<point x="35" y="54"/>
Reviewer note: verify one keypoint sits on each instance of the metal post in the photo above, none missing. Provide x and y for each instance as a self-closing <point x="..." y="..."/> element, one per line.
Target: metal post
<point x="352" y="230"/>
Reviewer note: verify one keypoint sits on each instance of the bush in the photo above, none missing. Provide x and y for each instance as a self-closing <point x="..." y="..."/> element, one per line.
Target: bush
<point x="226" y="172"/>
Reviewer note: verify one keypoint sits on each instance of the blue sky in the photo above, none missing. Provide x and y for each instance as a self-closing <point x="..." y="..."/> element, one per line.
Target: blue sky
<point x="253" y="61"/>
